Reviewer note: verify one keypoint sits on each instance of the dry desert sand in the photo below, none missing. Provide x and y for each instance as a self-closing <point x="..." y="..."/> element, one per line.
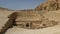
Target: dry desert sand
<point x="50" y="10"/>
<point x="49" y="30"/>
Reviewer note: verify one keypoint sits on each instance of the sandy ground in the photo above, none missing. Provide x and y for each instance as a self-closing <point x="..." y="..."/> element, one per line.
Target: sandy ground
<point x="4" y="18"/>
<point x="49" y="30"/>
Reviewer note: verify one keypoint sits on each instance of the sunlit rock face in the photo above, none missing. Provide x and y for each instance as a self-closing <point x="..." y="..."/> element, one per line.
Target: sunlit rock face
<point x="32" y="20"/>
<point x="49" y="5"/>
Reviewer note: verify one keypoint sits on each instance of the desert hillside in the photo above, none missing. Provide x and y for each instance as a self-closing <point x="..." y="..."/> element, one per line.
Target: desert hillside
<point x="44" y="19"/>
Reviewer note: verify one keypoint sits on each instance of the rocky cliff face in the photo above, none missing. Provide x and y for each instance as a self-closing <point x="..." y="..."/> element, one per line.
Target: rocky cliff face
<point x="49" y="5"/>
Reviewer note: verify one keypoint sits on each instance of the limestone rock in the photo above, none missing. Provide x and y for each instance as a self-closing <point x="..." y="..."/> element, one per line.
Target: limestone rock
<point x="33" y="20"/>
<point x="28" y="16"/>
<point x="53" y="15"/>
<point x="49" y="5"/>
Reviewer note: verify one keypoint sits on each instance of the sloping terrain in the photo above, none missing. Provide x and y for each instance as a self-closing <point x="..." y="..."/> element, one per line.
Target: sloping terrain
<point x="49" y="30"/>
<point x="52" y="8"/>
<point x="5" y="22"/>
<point x="51" y="15"/>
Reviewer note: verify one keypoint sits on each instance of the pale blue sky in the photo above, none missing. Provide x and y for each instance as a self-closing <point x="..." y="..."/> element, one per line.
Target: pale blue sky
<point x="20" y="4"/>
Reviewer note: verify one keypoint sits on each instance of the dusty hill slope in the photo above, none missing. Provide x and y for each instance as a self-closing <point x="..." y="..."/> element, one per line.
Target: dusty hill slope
<point x="5" y="22"/>
<point x="51" y="15"/>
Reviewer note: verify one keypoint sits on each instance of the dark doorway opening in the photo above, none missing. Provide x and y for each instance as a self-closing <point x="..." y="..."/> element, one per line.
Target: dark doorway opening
<point x="27" y="25"/>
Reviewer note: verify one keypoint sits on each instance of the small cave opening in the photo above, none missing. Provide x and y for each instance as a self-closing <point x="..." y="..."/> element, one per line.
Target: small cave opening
<point x="14" y="23"/>
<point x="27" y="25"/>
<point x="44" y="24"/>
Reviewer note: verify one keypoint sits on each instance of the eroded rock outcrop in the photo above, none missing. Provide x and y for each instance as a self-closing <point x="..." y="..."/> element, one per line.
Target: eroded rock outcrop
<point x="53" y="15"/>
<point x="49" y="5"/>
<point x="32" y="20"/>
